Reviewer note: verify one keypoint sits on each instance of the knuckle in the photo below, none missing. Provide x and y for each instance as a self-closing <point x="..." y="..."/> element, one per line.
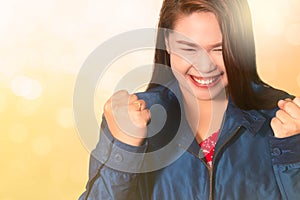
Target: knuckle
<point x="133" y="97"/>
<point x="125" y="92"/>
<point x="143" y="123"/>
<point x="288" y="105"/>
<point x="278" y="113"/>
<point x="297" y="101"/>
<point x="276" y="122"/>
<point x="142" y="101"/>
<point x="107" y="105"/>
<point x="121" y="93"/>
<point x="148" y="115"/>
<point x="273" y="120"/>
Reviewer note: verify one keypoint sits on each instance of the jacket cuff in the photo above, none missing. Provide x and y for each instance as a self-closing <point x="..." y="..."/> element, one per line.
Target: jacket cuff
<point x="118" y="155"/>
<point x="285" y="150"/>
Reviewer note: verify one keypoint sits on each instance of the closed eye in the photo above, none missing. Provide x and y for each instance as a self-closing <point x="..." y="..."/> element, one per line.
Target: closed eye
<point x="190" y="50"/>
<point x="219" y="49"/>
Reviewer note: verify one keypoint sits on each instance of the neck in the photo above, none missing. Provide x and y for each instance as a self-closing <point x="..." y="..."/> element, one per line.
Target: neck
<point x="205" y="116"/>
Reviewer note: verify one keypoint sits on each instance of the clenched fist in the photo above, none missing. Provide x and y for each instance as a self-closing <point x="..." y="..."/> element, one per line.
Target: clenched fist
<point x="287" y="120"/>
<point x="127" y="117"/>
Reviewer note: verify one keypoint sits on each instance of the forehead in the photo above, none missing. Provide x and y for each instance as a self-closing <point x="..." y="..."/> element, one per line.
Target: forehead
<point x="200" y="27"/>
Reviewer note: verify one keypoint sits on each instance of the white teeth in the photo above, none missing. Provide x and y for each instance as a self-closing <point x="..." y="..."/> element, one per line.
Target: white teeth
<point x="205" y="82"/>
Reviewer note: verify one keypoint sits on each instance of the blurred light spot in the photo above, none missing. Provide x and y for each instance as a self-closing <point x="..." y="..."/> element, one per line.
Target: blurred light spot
<point x="18" y="133"/>
<point x="3" y="103"/>
<point x="41" y="145"/>
<point x="28" y="108"/>
<point x="7" y="70"/>
<point x="65" y="117"/>
<point x="7" y="15"/>
<point x="295" y="7"/>
<point x="292" y="34"/>
<point x="25" y="87"/>
<point x="271" y="15"/>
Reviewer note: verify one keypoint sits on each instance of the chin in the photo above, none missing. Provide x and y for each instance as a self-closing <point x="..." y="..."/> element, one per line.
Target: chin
<point x="218" y="93"/>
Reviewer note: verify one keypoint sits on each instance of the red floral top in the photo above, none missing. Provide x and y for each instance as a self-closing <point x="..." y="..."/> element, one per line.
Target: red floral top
<point x="208" y="147"/>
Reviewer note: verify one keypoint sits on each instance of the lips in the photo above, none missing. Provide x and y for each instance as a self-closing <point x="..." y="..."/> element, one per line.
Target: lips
<point x="206" y="81"/>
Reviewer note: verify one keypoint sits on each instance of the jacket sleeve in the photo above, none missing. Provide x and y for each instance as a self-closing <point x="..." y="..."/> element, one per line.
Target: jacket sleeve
<point x="285" y="153"/>
<point x="114" y="169"/>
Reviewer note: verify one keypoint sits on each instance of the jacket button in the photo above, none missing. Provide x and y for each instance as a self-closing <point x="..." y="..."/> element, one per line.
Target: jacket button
<point x="118" y="157"/>
<point x="276" y="151"/>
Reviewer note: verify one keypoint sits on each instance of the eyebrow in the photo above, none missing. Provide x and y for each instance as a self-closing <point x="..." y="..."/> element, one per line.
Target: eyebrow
<point x="196" y="45"/>
<point x="187" y="43"/>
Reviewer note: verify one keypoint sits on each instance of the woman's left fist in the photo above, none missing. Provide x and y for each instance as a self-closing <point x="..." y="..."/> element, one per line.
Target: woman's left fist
<point x="287" y="120"/>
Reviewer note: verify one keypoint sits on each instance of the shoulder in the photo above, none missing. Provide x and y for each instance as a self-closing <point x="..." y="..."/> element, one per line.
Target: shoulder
<point x="267" y="97"/>
<point x="164" y="103"/>
<point x="165" y="95"/>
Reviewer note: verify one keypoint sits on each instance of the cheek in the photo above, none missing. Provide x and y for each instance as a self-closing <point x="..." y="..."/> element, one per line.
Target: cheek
<point x="225" y="78"/>
<point x="218" y="60"/>
<point x="221" y="66"/>
<point x="178" y="64"/>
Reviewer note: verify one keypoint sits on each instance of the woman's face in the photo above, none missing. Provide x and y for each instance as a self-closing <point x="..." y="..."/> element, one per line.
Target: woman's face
<point x="195" y="48"/>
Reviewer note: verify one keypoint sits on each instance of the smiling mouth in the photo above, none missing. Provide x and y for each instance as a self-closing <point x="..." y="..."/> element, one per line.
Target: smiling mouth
<point x="206" y="81"/>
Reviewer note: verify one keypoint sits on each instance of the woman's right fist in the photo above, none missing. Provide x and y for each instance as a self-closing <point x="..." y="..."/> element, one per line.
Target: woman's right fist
<point x="127" y="117"/>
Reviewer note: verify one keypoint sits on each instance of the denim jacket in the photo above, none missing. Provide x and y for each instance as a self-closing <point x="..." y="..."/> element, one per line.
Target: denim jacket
<point x="249" y="162"/>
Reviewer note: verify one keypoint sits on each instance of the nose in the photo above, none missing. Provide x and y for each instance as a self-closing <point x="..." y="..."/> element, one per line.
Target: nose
<point x="204" y="63"/>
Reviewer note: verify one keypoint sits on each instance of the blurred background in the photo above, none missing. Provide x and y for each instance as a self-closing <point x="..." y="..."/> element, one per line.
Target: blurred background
<point x="44" y="43"/>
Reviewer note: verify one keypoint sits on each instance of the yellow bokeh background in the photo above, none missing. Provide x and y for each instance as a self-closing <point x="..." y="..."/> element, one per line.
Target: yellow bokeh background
<point x="44" y="43"/>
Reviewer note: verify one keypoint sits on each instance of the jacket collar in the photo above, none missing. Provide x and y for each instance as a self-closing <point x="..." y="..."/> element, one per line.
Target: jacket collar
<point x="234" y="117"/>
<point x="252" y="120"/>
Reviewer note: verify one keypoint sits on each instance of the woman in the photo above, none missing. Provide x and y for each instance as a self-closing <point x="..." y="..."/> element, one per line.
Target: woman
<point x="246" y="133"/>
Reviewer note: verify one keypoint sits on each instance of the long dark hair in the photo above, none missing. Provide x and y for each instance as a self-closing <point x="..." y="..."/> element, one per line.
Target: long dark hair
<point x="245" y="87"/>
